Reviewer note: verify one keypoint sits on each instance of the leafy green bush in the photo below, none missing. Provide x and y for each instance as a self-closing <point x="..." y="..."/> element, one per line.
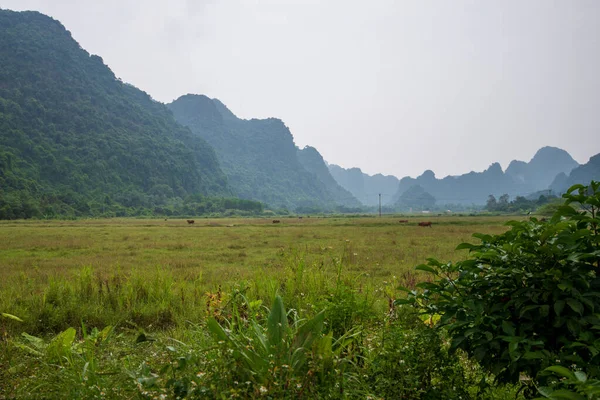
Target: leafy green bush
<point x="412" y="362"/>
<point x="526" y="299"/>
<point x="569" y="384"/>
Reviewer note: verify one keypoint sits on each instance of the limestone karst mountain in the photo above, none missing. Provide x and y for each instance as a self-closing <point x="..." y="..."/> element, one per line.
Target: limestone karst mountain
<point x="74" y="137"/>
<point x="258" y="156"/>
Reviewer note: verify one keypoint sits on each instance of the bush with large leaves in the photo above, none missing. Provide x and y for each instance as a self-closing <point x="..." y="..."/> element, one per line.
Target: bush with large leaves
<point x="526" y="299"/>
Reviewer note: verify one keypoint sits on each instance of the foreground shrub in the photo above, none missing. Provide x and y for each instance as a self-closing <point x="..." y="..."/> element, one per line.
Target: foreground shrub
<point x="526" y="299"/>
<point x="249" y="359"/>
<point x="412" y="362"/>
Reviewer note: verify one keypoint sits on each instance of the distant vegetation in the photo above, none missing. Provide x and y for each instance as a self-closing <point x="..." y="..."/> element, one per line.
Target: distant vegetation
<point x="519" y="205"/>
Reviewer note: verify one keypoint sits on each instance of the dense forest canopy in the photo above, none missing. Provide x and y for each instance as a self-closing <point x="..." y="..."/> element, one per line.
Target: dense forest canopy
<point x="75" y="140"/>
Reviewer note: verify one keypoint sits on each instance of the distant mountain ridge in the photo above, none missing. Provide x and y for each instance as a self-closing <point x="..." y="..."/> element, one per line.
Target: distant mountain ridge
<point x="583" y="174"/>
<point x="366" y="188"/>
<point x="540" y="172"/>
<point x="259" y="157"/>
<point x="521" y="178"/>
<point x="313" y="162"/>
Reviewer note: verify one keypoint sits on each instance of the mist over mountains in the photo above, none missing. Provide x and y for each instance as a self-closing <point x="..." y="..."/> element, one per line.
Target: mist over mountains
<point x="76" y="141"/>
<point x="520" y="179"/>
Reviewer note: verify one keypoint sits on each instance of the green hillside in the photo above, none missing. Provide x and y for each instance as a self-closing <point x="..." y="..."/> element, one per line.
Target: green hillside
<point x="313" y="162"/>
<point x="258" y="155"/>
<point x="76" y="140"/>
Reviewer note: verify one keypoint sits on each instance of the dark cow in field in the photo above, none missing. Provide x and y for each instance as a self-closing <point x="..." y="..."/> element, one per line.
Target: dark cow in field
<point x="190" y="221"/>
<point x="428" y="223"/>
<point x="276" y="221"/>
<point x="402" y="221"/>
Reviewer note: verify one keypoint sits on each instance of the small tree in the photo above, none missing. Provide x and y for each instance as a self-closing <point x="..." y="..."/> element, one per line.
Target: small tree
<point x="491" y="204"/>
<point x="526" y="299"/>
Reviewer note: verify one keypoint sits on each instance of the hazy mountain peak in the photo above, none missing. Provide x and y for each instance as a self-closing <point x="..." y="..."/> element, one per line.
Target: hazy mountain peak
<point x="549" y="152"/>
<point x="427" y="175"/>
<point x="495" y="169"/>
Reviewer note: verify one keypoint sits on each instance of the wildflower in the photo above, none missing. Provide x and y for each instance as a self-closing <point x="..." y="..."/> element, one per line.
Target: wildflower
<point x="263" y="390"/>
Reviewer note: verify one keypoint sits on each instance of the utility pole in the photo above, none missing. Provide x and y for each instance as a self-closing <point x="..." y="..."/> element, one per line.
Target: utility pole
<point x="379" y="205"/>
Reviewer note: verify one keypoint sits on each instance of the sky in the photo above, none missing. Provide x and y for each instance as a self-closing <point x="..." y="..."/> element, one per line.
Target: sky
<point x="389" y="86"/>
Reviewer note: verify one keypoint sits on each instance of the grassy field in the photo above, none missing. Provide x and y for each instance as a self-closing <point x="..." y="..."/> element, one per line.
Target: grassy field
<point x="165" y="277"/>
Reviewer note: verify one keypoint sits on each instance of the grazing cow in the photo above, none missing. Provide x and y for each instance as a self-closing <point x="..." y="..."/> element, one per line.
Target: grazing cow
<point x="428" y="223"/>
<point x="190" y="221"/>
<point x="403" y="221"/>
<point x="276" y="221"/>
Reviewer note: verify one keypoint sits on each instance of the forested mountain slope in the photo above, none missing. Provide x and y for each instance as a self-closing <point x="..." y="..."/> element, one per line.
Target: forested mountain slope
<point x="541" y="170"/>
<point x="583" y="175"/>
<point x="74" y="138"/>
<point x="313" y="162"/>
<point x="258" y="155"/>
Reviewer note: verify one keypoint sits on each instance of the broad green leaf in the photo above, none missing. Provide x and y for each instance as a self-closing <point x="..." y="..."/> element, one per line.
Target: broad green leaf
<point x="13" y="317"/>
<point x="106" y="332"/>
<point x="277" y="323"/>
<point x="527" y="308"/>
<point x="29" y="350"/>
<point x="561" y="371"/>
<point x="426" y="268"/>
<point x="534" y="355"/>
<point x="545" y="391"/>
<point x="34" y="340"/>
<point x="217" y="330"/>
<point x="508" y="328"/>
<point x="575" y="306"/>
<point x="457" y="341"/>
<point x="60" y="346"/>
<point x="480" y="353"/>
<point x="559" y="306"/>
<point x="581" y="376"/>
<point x="566" y="395"/>
<point x="309" y="331"/>
<point x="467" y="246"/>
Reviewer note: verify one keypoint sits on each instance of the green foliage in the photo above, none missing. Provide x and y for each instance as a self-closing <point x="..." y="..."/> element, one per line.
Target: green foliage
<point x="528" y="298"/>
<point x="251" y="359"/>
<point x="413" y="363"/>
<point x="75" y="140"/>
<point x="519" y="204"/>
<point x="570" y="385"/>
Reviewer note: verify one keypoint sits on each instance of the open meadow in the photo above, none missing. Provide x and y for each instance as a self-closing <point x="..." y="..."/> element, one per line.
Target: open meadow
<point x="155" y="284"/>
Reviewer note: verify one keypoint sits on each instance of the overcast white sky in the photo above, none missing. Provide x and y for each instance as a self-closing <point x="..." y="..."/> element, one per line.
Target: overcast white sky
<point x="394" y="86"/>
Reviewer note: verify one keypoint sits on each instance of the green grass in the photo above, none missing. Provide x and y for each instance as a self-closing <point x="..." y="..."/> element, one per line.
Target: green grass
<point x="165" y="278"/>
